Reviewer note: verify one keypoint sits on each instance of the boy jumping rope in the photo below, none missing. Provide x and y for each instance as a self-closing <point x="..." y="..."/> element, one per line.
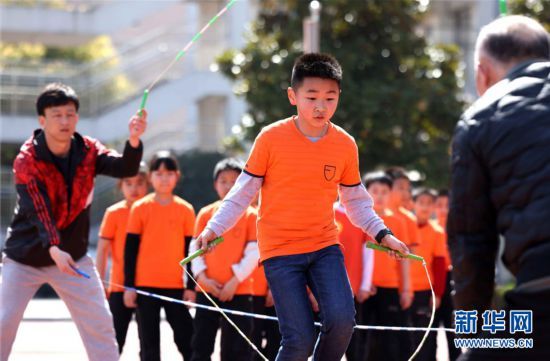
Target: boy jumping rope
<point x="301" y="164"/>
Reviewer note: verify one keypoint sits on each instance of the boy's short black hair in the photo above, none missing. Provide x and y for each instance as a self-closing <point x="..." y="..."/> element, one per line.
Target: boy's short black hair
<point x="377" y="177"/>
<point x="315" y="65"/>
<point x="56" y="94"/>
<point x="396" y="173"/>
<point x="423" y="191"/>
<point x="443" y="192"/>
<point x="166" y="158"/>
<point x="227" y="164"/>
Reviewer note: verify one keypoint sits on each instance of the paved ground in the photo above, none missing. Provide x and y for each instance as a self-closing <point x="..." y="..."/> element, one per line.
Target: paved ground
<point x="48" y="334"/>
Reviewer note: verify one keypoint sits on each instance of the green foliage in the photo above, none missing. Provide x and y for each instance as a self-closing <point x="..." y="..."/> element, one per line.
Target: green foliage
<point x="537" y="9"/>
<point x="400" y="97"/>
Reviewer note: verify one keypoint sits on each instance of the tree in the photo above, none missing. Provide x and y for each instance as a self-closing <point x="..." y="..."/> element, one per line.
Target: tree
<point x="400" y="96"/>
<point x="537" y="9"/>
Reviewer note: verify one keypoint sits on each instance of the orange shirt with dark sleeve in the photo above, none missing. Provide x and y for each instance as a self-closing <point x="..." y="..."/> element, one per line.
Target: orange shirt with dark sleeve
<point x="300" y="185"/>
<point x="431" y="245"/>
<point x="162" y="230"/>
<point x="352" y="240"/>
<point x="231" y="250"/>
<point x="387" y="271"/>
<point x="113" y="229"/>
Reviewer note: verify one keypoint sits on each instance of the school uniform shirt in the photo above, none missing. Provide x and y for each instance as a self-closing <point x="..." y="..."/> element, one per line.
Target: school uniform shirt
<point x="113" y="228"/>
<point x="387" y="271"/>
<point x="157" y="240"/>
<point x="300" y="185"/>
<point x="229" y="258"/>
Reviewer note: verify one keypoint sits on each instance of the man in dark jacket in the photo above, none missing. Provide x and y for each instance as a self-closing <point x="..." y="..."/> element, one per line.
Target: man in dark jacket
<point x="501" y="185"/>
<point x="48" y="237"/>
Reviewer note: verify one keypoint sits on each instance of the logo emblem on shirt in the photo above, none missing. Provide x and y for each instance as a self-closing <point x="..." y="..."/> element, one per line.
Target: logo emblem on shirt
<point x="330" y="172"/>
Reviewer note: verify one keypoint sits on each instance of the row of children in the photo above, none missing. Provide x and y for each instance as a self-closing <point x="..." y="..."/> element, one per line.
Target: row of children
<point x="145" y="235"/>
<point x="157" y="229"/>
<point x="392" y="293"/>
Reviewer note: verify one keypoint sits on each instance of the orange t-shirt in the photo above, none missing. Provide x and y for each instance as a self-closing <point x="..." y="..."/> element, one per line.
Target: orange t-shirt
<point x="231" y="250"/>
<point x="352" y="240"/>
<point x="431" y="244"/>
<point x="162" y="230"/>
<point x="410" y="223"/>
<point x="300" y="185"/>
<point x="387" y="271"/>
<point x="113" y="229"/>
<point x="448" y="262"/>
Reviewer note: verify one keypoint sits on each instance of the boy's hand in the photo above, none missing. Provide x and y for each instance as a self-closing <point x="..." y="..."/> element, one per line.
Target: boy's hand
<point x="63" y="261"/>
<point x="406" y="299"/>
<point x="137" y="126"/>
<point x="396" y="245"/>
<point x="209" y="285"/>
<point x="204" y="239"/>
<point x="190" y="296"/>
<point x="228" y="290"/>
<point x="130" y="298"/>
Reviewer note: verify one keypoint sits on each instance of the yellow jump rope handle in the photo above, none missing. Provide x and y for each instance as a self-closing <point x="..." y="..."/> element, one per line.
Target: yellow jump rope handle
<point x="386" y="249"/>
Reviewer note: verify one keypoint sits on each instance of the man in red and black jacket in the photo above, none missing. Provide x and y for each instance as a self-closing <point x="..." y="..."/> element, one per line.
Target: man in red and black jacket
<point x="48" y="237"/>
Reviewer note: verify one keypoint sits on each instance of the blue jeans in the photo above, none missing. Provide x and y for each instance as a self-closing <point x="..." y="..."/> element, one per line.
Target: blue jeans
<point x="324" y="272"/>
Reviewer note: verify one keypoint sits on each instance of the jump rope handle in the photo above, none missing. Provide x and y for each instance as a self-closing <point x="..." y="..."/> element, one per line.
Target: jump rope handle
<point x="200" y="252"/>
<point x="379" y="247"/>
<point x="143" y="101"/>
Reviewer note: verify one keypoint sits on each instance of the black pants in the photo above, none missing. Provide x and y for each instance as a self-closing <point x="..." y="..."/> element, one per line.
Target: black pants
<point x="420" y="314"/>
<point x="386" y="311"/>
<point x="177" y="315"/>
<point x="206" y="324"/>
<point x="265" y="334"/>
<point x="444" y="316"/>
<point x="539" y="303"/>
<point x="122" y="316"/>
<point x="359" y="344"/>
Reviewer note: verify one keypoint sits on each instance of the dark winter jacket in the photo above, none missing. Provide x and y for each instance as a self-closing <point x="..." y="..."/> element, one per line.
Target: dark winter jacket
<point x="501" y="185"/>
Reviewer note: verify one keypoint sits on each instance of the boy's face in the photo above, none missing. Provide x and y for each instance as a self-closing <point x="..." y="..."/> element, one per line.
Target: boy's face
<point x="316" y="100"/>
<point x="134" y="188"/>
<point x="380" y="194"/>
<point x="423" y="208"/>
<point x="59" y="122"/>
<point x="401" y="192"/>
<point x="442" y="208"/>
<point x="163" y="180"/>
<point x="225" y="181"/>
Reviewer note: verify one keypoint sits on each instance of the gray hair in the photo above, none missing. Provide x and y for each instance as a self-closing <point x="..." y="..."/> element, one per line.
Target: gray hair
<point x="512" y="39"/>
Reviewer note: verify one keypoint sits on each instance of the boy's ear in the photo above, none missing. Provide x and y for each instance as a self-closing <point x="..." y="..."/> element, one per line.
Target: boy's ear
<point x="291" y="95"/>
<point x="41" y="120"/>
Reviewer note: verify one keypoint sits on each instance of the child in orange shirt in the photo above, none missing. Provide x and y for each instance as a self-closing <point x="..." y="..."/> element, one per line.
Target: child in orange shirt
<point x="225" y="274"/>
<point x="444" y="315"/>
<point x="112" y="237"/>
<point x="358" y="260"/>
<point x="431" y="247"/>
<point x="400" y="200"/>
<point x="160" y="229"/>
<point x="301" y="164"/>
<point x="393" y="293"/>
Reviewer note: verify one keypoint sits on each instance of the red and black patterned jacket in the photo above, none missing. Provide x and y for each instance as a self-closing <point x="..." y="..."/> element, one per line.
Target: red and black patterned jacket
<point x="44" y="215"/>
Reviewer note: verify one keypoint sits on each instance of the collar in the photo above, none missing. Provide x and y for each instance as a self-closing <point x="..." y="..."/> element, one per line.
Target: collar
<point x="77" y="152"/>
